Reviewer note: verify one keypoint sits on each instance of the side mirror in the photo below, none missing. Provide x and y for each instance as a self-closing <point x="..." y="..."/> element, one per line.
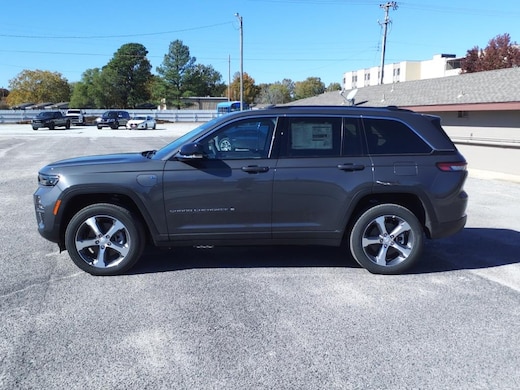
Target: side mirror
<point x="191" y="151"/>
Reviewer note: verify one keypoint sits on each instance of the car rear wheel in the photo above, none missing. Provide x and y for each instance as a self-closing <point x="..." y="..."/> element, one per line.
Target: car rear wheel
<point x="67" y="125"/>
<point x="387" y="239"/>
<point x="51" y="126"/>
<point x="115" y="125"/>
<point x="104" y="239"/>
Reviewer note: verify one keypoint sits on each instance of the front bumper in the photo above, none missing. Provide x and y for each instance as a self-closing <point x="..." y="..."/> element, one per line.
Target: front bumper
<point x="39" y="125"/>
<point x="44" y="206"/>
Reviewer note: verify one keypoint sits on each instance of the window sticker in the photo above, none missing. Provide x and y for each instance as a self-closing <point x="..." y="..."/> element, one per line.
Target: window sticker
<point x="311" y="136"/>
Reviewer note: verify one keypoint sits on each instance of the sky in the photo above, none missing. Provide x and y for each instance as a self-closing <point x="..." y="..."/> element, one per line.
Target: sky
<point x="282" y="39"/>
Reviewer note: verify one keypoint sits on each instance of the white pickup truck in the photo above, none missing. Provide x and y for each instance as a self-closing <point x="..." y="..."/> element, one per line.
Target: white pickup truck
<point x="77" y="116"/>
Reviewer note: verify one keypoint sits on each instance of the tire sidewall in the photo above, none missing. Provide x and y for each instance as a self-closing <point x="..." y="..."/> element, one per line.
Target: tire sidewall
<point x="132" y="225"/>
<point x="358" y="229"/>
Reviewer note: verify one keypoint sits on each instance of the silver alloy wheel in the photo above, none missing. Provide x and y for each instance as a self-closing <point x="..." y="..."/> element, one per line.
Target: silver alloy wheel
<point x="102" y="241"/>
<point x="388" y="240"/>
<point x="225" y="145"/>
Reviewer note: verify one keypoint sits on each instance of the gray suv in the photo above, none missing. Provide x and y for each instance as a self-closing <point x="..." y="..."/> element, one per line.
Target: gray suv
<point x="113" y="119"/>
<point x="378" y="179"/>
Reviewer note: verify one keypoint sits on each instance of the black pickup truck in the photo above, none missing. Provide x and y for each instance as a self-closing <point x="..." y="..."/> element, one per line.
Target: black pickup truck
<point x="50" y="119"/>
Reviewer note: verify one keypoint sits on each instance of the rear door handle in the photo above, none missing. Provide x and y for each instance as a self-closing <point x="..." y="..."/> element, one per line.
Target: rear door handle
<point x="351" y="167"/>
<point x="255" y="169"/>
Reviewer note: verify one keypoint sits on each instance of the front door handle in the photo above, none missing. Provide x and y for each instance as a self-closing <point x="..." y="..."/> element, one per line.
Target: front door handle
<point x="255" y="169"/>
<point x="351" y="167"/>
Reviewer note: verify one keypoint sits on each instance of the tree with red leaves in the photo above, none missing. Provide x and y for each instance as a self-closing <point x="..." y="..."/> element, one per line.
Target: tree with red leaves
<point x="500" y="53"/>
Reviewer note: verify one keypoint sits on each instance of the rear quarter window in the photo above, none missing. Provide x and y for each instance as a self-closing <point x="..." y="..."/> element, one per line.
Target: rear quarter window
<point x="389" y="136"/>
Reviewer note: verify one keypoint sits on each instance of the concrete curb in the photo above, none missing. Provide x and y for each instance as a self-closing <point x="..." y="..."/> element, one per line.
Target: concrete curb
<point x="490" y="175"/>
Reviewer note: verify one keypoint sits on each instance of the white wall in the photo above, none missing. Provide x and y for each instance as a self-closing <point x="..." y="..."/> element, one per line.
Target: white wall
<point x="408" y="71"/>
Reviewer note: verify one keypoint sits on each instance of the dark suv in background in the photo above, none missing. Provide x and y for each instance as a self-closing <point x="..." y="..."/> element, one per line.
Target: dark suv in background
<point x="51" y="120"/>
<point x="113" y="119"/>
<point x="378" y="179"/>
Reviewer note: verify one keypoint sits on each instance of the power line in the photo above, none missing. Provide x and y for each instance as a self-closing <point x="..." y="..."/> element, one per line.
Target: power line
<point x="110" y="36"/>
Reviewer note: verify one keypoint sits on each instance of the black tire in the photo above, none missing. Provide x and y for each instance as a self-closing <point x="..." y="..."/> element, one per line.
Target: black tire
<point x="35" y="128"/>
<point x="387" y="239"/>
<point x="99" y="127"/>
<point x="115" y="125"/>
<point x="67" y="125"/>
<point x="51" y="126"/>
<point x="104" y="239"/>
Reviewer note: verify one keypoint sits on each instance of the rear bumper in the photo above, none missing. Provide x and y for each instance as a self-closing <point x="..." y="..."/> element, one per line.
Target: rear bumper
<point x="446" y="229"/>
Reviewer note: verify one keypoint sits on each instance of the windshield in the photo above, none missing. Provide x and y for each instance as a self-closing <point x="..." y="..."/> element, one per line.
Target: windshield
<point x="173" y="147"/>
<point x="110" y="114"/>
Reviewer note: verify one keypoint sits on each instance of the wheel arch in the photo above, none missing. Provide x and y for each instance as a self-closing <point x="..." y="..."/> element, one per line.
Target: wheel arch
<point x="411" y="201"/>
<point x="77" y="201"/>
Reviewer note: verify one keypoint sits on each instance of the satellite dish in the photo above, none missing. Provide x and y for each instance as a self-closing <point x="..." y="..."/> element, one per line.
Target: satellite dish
<point x="351" y="95"/>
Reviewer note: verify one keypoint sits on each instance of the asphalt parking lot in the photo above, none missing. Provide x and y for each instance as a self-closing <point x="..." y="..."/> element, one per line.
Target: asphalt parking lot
<point x="255" y="318"/>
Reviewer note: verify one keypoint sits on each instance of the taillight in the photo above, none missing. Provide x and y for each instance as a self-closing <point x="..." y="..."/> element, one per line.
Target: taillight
<point x="457" y="166"/>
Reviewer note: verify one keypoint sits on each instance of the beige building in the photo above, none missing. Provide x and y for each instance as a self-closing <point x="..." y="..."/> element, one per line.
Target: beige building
<point x="441" y="65"/>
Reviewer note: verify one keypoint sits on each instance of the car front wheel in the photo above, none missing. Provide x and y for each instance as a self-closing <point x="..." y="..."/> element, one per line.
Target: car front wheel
<point x="104" y="239"/>
<point x="387" y="239"/>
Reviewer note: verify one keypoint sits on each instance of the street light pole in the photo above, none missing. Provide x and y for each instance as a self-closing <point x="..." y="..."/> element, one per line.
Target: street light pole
<point x="241" y="60"/>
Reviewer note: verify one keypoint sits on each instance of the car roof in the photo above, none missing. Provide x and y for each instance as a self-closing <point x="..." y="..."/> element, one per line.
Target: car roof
<point x="421" y="123"/>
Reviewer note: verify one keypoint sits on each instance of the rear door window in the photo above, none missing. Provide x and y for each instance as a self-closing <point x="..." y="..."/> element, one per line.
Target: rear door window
<point x="311" y="137"/>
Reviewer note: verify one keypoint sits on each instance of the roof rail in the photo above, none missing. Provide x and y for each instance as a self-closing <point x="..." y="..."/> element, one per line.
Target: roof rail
<point x="333" y="107"/>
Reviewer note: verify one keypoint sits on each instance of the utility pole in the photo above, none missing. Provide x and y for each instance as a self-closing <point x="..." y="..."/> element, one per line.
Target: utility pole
<point x="386" y="7"/>
<point x="241" y="60"/>
<point x="229" y="78"/>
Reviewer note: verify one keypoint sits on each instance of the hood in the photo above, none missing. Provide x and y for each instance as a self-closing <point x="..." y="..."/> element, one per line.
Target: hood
<point x="102" y="159"/>
<point x="102" y="163"/>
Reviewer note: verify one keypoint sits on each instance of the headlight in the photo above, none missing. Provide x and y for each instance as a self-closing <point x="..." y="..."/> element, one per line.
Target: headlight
<point x="48" y="180"/>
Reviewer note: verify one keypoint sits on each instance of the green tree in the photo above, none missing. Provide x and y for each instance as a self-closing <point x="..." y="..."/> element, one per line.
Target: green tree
<point x="176" y="70"/>
<point x="38" y="86"/>
<point x="312" y="86"/>
<point x="334" y="87"/>
<point x="204" y="80"/>
<point x="126" y="77"/>
<point x="88" y="92"/>
<point x="277" y="93"/>
<point x="500" y="53"/>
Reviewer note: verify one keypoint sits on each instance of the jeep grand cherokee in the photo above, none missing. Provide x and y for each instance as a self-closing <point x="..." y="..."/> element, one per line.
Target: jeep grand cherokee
<point x="377" y="179"/>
